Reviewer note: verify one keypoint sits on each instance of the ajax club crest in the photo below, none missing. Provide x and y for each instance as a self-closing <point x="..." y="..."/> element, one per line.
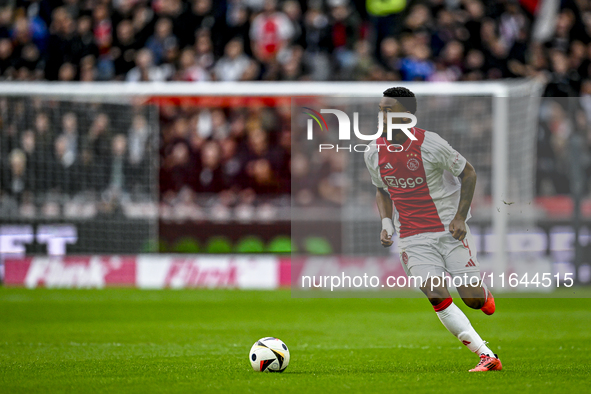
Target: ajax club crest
<point x="413" y="163"/>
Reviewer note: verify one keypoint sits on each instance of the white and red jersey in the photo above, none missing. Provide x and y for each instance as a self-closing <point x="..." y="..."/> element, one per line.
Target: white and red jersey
<point x="269" y="31"/>
<point x="422" y="181"/>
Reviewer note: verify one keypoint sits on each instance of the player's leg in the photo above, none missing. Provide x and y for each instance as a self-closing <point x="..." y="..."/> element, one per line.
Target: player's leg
<point x="421" y="259"/>
<point x="450" y="315"/>
<point x="424" y="265"/>
<point x="461" y="260"/>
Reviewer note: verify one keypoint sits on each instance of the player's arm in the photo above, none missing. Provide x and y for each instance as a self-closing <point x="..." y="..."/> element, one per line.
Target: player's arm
<point x="385" y="208"/>
<point x="458" y="225"/>
<point x="383" y="199"/>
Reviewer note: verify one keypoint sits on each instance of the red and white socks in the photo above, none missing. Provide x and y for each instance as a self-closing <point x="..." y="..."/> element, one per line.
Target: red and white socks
<point x="458" y="324"/>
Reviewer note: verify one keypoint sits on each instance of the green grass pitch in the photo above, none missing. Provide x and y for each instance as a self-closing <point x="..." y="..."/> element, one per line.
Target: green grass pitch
<point x="134" y="341"/>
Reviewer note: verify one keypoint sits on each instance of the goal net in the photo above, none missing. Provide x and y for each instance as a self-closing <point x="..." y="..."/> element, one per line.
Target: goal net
<point x="78" y="174"/>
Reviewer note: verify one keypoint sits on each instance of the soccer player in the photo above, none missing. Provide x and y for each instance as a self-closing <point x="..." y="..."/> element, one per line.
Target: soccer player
<point x="426" y="187"/>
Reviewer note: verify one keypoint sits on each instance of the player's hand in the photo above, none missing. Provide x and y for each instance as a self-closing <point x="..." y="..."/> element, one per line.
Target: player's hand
<point x="386" y="239"/>
<point x="457" y="228"/>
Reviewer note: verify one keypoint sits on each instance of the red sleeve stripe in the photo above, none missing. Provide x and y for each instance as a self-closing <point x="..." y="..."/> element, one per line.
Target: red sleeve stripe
<point x="442" y="305"/>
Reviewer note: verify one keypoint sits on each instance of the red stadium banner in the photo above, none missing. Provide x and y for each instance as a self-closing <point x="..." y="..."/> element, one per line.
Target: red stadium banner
<point x="71" y="271"/>
<point x="177" y="271"/>
<point x="148" y="271"/>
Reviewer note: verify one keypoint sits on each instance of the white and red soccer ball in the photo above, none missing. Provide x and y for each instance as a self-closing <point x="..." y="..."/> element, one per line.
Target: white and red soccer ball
<point x="269" y="355"/>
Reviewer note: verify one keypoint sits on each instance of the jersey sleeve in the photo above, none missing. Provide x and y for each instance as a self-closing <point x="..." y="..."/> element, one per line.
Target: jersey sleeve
<point x="372" y="163"/>
<point x="442" y="154"/>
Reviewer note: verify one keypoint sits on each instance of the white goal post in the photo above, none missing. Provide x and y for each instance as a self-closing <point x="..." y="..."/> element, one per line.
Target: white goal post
<point x="501" y="92"/>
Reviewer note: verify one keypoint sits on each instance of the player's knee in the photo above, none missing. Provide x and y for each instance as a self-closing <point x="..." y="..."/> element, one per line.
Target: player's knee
<point x="436" y="295"/>
<point x="436" y="300"/>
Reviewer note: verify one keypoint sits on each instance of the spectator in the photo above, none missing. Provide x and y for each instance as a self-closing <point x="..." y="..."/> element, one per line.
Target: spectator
<point x="124" y="48"/>
<point x="364" y="62"/>
<point x="60" y="47"/>
<point x="449" y="66"/>
<point x="389" y="54"/>
<point x="87" y="69"/>
<point x="317" y="43"/>
<point x="564" y="81"/>
<point x="31" y="61"/>
<point x="6" y="18"/>
<point x="97" y="140"/>
<point x="473" y="66"/>
<point x="417" y="66"/>
<point x="17" y="179"/>
<point x="139" y="134"/>
<point x="8" y="62"/>
<point x="258" y="148"/>
<point x="162" y="39"/>
<point x="67" y="72"/>
<point x="21" y="34"/>
<point x="43" y="135"/>
<point x="70" y="133"/>
<point x="473" y="25"/>
<point x="271" y="31"/>
<point x="103" y="28"/>
<point x="230" y="160"/>
<point x="145" y="70"/>
<point x="262" y="180"/>
<point x="142" y="19"/>
<point x="204" y="50"/>
<point x="189" y="70"/>
<point x="234" y="64"/>
<point x="211" y="176"/>
<point x="238" y="25"/>
<point x="333" y="185"/>
<point x="293" y="11"/>
<point x="29" y="147"/>
<point x="200" y="16"/>
<point x="117" y="170"/>
<point x="177" y="171"/>
<point x="37" y="162"/>
<point x="63" y="169"/>
<point x="304" y="182"/>
<point x="345" y="24"/>
<point x="138" y="158"/>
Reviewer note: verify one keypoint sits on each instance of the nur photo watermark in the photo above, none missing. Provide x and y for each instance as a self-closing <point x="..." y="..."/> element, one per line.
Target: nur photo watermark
<point x="393" y="121"/>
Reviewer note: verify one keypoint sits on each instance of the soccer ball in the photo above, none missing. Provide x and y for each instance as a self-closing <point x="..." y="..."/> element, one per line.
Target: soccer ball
<point x="269" y="355"/>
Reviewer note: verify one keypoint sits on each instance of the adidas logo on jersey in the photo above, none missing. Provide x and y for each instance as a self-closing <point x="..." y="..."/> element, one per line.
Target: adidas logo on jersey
<point x="470" y="264"/>
<point x="388" y="166"/>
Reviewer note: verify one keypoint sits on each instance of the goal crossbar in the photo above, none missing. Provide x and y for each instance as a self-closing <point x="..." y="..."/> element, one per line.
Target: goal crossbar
<point x="356" y="89"/>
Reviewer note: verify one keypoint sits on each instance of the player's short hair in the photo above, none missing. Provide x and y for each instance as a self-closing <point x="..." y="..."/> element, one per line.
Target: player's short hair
<point x="404" y="97"/>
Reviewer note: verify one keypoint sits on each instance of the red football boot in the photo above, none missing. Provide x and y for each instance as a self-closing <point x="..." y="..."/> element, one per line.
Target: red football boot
<point x="488" y="363"/>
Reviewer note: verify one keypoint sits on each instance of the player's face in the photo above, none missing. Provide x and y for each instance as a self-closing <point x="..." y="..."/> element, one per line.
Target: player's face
<point x="389" y="104"/>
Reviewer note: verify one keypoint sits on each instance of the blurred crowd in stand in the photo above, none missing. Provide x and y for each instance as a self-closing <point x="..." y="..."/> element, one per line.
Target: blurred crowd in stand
<point x="73" y="159"/>
<point x="237" y="154"/>
<point x="51" y="149"/>
<point x="230" y="40"/>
